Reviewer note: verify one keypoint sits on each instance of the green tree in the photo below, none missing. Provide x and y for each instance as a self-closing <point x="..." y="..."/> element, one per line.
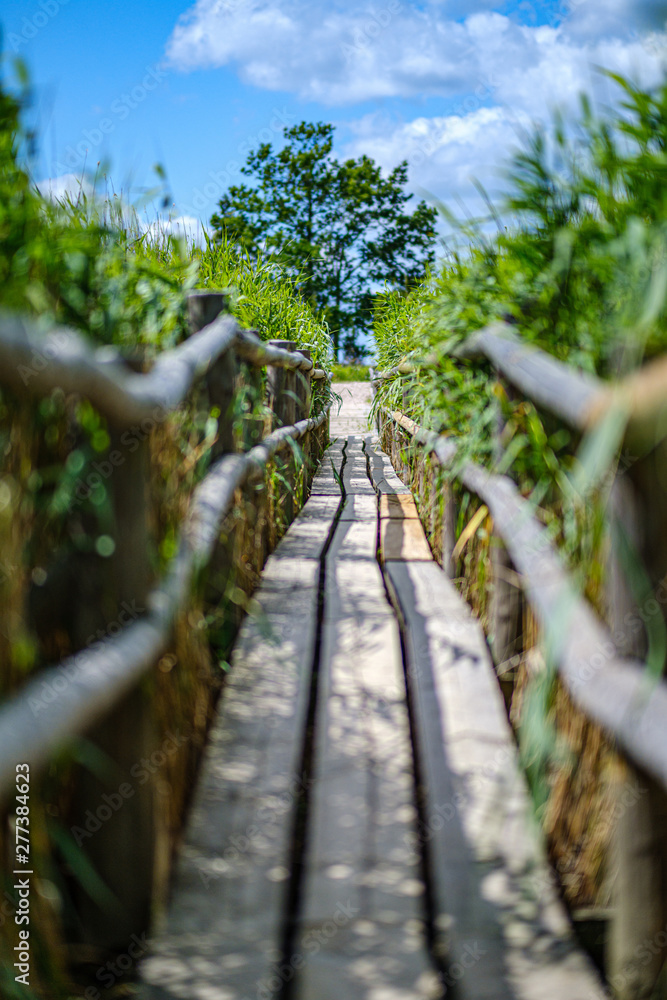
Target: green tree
<point x="342" y="226"/>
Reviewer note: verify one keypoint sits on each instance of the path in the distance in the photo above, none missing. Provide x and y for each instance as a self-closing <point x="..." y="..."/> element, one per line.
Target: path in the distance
<point x="354" y="410"/>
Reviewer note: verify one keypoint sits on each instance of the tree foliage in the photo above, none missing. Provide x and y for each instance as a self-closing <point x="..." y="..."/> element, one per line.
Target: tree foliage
<point x="341" y="225"/>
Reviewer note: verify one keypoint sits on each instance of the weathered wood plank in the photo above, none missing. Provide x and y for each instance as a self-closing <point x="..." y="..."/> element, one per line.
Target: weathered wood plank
<point x="359" y="507"/>
<point x="355" y="472"/>
<point x="499" y="921"/>
<point x="309" y="531"/>
<point x="225" y="926"/>
<point x="361" y="932"/>
<point x="356" y="540"/>
<point x="398" y="505"/>
<point x="382" y="472"/>
<point x="403" y="539"/>
<point x="355" y="479"/>
<point x="324" y="481"/>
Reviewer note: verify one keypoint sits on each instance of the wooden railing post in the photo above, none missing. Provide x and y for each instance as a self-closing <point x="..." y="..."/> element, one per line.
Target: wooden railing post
<point x="114" y="819"/>
<point x="449" y="518"/>
<point x="302" y="413"/>
<point x="507" y="603"/>
<point x="203" y="308"/>
<point x="281" y="389"/>
<point x="637" y="942"/>
<point x="221" y="387"/>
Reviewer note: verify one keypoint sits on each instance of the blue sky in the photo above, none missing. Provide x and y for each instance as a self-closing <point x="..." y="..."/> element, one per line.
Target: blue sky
<point x="446" y="84"/>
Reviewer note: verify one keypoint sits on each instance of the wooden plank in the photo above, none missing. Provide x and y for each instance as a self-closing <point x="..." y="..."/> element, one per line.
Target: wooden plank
<point x="306" y="536"/>
<point x="384" y="477"/>
<point x="356" y="540"/>
<point x="324" y="481"/>
<point x="361" y="933"/>
<point x="355" y="480"/>
<point x="359" y="507"/>
<point x="349" y="589"/>
<point x="403" y="539"/>
<point x="224" y="929"/>
<point x="355" y="472"/>
<point x="398" y="505"/>
<point x="226" y="918"/>
<point x="498" y="915"/>
<point x="391" y="484"/>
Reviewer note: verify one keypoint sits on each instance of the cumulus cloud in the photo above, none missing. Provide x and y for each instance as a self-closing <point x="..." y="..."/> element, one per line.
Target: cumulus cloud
<point x="342" y="53"/>
<point x="445" y="153"/>
<point x="334" y="54"/>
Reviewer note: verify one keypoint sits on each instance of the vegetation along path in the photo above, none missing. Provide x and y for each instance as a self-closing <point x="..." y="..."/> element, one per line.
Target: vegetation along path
<point x="361" y="828"/>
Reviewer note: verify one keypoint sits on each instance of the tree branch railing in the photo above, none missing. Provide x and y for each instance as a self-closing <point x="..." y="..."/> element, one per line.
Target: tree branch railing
<point x="98" y="689"/>
<point x="603" y="668"/>
<point x="33" y="361"/>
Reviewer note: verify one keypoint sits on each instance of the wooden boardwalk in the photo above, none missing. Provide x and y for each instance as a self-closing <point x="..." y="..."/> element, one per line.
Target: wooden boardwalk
<point x="360" y="828"/>
<point x="352" y="415"/>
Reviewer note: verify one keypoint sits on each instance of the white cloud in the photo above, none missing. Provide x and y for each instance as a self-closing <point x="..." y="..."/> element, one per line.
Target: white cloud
<point x="501" y="74"/>
<point x="332" y="54"/>
<point x="446" y="153"/>
<point x="342" y="54"/>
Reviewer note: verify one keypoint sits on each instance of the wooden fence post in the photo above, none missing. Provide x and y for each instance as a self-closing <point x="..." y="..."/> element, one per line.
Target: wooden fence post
<point x="127" y="840"/>
<point x="507" y="602"/>
<point x="281" y="388"/>
<point x="302" y="413"/>
<point x="221" y="388"/>
<point x="449" y="518"/>
<point x="255" y="494"/>
<point x="637" y="939"/>
<point x="203" y="308"/>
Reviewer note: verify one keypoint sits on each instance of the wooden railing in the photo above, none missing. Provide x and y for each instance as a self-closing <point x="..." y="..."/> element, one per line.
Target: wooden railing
<point x="601" y="665"/>
<point x="97" y="692"/>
